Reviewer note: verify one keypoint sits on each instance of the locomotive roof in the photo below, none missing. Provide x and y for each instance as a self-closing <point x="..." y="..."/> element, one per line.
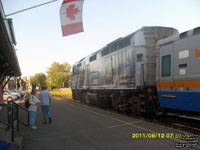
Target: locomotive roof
<point x="116" y="42"/>
<point x="179" y="36"/>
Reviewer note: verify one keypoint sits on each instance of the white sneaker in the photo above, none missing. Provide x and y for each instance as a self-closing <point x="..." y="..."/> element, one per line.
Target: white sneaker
<point x="34" y="127"/>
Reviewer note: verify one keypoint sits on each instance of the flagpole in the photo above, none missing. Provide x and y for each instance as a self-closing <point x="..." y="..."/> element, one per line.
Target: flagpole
<point x="30" y="8"/>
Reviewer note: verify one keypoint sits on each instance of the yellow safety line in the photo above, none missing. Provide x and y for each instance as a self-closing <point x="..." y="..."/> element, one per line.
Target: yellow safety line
<point x="119" y="125"/>
<point x="124" y="122"/>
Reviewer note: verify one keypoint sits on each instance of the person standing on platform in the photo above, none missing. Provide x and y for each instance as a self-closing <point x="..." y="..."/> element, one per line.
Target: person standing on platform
<point x="45" y="99"/>
<point x="33" y="101"/>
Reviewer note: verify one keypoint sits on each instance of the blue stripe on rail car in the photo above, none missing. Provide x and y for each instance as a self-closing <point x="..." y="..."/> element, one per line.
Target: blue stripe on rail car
<point x="189" y="101"/>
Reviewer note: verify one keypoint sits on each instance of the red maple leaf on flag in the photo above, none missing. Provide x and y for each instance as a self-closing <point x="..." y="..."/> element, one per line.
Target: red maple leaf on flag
<point x="71" y="11"/>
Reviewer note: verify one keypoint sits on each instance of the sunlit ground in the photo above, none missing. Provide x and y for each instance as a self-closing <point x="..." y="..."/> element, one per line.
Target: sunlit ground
<point x="64" y="93"/>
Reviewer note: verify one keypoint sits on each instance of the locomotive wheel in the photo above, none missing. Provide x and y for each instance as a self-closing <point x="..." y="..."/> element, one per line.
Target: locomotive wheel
<point x="87" y="98"/>
<point x="73" y="96"/>
<point x="114" y="103"/>
<point x="82" y="98"/>
<point x="136" y="105"/>
<point x="142" y="104"/>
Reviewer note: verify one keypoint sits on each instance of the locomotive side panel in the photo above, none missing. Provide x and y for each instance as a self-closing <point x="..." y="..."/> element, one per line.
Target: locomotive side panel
<point x="107" y="74"/>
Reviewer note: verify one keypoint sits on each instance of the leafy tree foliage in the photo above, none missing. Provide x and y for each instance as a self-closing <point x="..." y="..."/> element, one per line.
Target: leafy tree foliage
<point x="58" y="75"/>
<point x="38" y="80"/>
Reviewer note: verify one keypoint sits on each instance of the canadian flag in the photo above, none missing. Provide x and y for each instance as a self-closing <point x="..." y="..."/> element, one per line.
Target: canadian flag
<point x="71" y="17"/>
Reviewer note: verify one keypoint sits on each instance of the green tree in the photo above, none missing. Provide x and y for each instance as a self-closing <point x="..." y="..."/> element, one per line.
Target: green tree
<point x="58" y="75"/>
<point x="67" y="70"/>
<point x="38" y="80"/>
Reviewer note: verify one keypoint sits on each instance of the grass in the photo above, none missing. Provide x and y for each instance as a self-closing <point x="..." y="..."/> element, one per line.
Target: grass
<point x="64" y="93"/>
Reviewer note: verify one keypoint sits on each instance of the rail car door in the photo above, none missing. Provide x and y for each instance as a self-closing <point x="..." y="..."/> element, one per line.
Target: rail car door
<point x="165" y="83"/>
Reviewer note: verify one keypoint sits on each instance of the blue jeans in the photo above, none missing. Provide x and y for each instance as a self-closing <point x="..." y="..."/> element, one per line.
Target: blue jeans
<point x="32" y="117"/>
<point x="46" y="112"/>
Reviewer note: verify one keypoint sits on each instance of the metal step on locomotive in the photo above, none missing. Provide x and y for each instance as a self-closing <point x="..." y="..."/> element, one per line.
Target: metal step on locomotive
<point x="152" y="70"/>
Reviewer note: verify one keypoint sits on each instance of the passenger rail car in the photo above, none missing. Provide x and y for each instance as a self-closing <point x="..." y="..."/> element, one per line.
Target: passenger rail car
<point x="178" y="71"/>
<point x="126" y="75"/>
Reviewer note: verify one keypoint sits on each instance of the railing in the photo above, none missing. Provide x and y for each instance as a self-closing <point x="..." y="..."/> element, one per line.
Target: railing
<point x="13" y="115"/>
<point x="5" y="122"/>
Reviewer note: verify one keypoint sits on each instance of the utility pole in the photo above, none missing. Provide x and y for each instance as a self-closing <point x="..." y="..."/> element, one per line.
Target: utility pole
<point x="30" y="8"/>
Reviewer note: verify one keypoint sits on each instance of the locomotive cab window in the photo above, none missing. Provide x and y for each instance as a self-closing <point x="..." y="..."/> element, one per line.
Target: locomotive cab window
<point x="105" y="51"/>
<point x="139" y="57"/>
<point x="125" y="42"/>
<point x="92" y="58"/>
<point x="166" y="66"/>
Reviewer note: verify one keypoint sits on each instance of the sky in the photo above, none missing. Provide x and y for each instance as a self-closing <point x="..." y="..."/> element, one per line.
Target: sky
<point x="39" y="37"/>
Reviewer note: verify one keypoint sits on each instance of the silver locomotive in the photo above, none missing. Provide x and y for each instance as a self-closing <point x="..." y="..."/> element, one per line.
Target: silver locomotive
<point x="125" y="75"/>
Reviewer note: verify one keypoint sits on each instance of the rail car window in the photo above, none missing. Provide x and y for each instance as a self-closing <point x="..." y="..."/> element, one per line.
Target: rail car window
<point x="79" y="65"/>
<point x="124" y="43"/>
<point x="182" y="65"/>
<point x="139" y="57"/>
<point x="183" y="35"/>
<point x="166" y="66"/>
<point x="113" y="48"/>
<point x="196" y="30"/>
<point x="92" y="58"/>
<point x="105" y="51"/>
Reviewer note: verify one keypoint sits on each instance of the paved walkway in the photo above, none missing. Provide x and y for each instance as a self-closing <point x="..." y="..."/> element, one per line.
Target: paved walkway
<point x="80" y="127"/>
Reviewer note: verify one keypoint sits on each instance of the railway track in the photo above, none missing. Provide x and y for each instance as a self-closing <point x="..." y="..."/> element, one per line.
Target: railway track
<point x="181" y="122"/>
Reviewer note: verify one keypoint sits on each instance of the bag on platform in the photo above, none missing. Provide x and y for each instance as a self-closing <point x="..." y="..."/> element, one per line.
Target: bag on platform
<point x="26" y="103"/>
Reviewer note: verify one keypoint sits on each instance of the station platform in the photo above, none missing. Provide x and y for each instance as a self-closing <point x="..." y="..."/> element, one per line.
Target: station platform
<point x="81" y="127"/>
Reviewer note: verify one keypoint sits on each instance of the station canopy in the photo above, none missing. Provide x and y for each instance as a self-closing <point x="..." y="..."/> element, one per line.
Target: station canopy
<point x="9" y="65"/>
